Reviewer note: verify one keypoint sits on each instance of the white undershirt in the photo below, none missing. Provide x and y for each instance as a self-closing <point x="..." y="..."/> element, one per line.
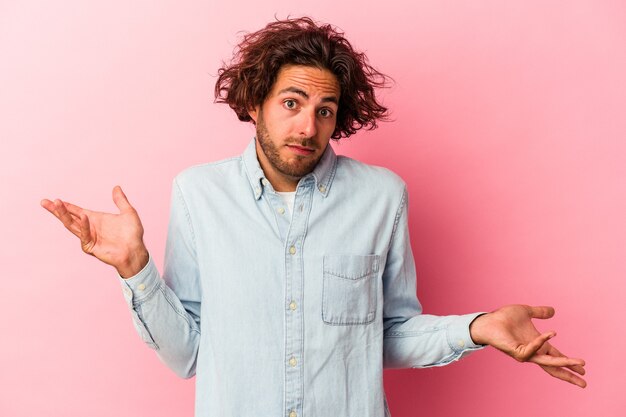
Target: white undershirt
<point x="289" y="198"/>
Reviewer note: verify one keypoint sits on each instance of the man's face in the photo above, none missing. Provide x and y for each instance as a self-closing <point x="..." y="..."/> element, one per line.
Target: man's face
<point x="294" y="123"/>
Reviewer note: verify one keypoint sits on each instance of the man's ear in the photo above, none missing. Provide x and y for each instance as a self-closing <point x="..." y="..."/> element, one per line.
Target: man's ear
<point x="254" y="113"/>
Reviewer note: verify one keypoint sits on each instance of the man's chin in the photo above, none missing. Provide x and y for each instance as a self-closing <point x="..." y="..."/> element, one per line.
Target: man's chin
<point x="297" y="172"/>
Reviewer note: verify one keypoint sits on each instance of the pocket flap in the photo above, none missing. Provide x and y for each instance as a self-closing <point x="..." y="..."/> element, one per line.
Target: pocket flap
<point x="351" y="266"/>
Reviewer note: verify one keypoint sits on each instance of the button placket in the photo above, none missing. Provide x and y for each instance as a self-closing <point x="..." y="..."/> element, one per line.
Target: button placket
<point x="294" y="319"/>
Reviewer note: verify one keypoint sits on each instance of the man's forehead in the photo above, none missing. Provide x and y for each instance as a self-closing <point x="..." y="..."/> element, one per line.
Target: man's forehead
<point x="310" y="80"/>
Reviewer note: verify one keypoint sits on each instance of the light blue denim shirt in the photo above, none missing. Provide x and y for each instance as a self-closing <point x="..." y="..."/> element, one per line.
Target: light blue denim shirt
<point x="292" y="317"/>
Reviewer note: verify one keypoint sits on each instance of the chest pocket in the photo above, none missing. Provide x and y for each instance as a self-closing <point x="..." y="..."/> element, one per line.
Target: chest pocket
<point x="349" y="289"/>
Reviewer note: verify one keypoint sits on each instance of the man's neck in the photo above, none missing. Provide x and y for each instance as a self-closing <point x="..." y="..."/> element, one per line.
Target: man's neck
<point x="282" y="183"/>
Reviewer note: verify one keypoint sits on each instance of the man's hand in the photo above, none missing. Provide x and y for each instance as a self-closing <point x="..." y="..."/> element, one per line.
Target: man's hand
<point x="511" y="330"/>
<point x="115" y="239"/>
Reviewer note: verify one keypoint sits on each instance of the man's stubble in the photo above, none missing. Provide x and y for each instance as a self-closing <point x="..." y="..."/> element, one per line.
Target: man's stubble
<point x="296" y="169"/>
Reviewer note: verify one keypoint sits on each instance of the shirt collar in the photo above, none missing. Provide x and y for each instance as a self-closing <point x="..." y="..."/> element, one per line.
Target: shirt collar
<point x="323" y="173"/>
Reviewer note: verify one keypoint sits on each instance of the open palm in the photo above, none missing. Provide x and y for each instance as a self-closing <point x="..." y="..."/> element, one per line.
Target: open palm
<point x="511" y="330"/>
<point x="115" y="239"/>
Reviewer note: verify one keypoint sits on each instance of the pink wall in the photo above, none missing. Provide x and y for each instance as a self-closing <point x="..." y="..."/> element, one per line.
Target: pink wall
<point x="510" y="128"/>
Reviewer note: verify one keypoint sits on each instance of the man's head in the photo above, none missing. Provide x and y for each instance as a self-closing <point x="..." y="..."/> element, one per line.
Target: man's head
<point x="301" y="85"/>
<point x="248" y="79"/>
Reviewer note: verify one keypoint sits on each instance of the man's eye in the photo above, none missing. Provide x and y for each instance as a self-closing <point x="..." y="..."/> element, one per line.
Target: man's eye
<point x="325" y="113"/>
<point x="290" y="104"/>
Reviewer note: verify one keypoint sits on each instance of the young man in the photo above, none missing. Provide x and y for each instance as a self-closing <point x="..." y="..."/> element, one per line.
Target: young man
<point x="289" y="280"/>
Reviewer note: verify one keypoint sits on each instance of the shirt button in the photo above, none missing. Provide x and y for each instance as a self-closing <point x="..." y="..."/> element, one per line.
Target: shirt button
<point x="460" y="343"/>
<point x="281" y="210"/>
<point x="127" y="291"/>
<point x="322" y="188"/>
<point x="141" y="287"/>
<point x="293" y="414"/>
<point x="292" y="305"/>
<point x="292" y="250"/>
<point x="293" y="362"/>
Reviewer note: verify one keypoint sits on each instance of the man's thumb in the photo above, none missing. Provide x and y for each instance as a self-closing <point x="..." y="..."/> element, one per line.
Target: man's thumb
<point x="120" y="200"/>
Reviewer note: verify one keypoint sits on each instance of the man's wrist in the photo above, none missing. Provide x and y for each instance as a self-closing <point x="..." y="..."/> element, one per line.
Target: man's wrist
<point x="137" y="260"/>
<point x="478" y="329"/>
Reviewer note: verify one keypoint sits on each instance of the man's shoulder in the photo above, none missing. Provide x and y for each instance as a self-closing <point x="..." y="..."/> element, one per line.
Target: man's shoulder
<point x="210" y="171"/>
<point x="373" y="176"/>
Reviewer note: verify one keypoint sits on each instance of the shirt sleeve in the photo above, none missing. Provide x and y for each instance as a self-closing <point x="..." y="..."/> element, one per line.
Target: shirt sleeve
<point x="412" y="339"/>
<point x="166" y="312"/>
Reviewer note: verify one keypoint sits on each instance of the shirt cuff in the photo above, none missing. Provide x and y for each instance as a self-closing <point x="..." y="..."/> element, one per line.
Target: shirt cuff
<point x="459" y="337"/>
<point x="140" y="286"/>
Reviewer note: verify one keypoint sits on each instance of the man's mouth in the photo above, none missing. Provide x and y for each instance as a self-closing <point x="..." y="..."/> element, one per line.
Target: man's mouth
<point x="301" y="150"/>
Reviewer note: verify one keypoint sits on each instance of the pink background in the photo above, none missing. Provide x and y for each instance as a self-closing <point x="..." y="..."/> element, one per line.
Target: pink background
<point x="509" y="129"/>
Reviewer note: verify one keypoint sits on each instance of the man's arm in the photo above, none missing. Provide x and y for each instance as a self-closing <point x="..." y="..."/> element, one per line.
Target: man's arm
<point x="412" y="339"/>
<point x="166" y="322"/>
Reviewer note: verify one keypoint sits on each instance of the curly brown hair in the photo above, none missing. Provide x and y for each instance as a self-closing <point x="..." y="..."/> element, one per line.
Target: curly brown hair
<point x="246" y="81"/>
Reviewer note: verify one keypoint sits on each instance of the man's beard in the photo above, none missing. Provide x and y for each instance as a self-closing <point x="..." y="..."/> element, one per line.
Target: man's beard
<point x="299" y="166"/>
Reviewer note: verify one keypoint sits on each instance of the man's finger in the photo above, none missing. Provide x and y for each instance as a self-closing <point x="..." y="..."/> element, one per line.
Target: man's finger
<point x="65" y="216"/>
<point x="565" y="375"/>
<point x="86" y="240"/>
<point x="541" y="312"/>
<point x="48" y="205"/>
<point x="576" y="368"/>
<point x="560" y="361"/>
<point x="57" y="210"/>
<point x="75" y="210"/>
<point x="51" y="207"/>
<point x="120" y="200"/>
<point x="527" y="351"/>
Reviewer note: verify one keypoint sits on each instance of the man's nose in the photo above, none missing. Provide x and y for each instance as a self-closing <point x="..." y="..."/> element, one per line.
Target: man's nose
<point x="307" y="126"/>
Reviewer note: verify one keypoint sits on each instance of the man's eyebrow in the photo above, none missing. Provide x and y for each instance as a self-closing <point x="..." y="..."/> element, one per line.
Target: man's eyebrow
<point x="296" y="90"/>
